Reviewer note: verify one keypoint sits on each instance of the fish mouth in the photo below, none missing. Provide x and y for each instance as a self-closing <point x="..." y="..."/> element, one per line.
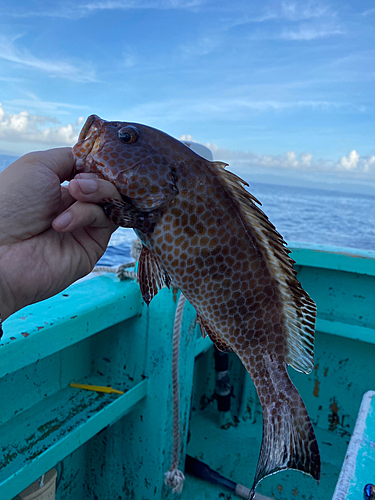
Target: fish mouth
<point x="86" y="128"/>
<point x="88" y="142"/>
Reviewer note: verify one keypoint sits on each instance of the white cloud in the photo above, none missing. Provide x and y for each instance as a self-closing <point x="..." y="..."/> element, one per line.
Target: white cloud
<point x="139" y="4"/>
<point x="225" y="108"/>
<point x="242" y="160"/>
<point x="368" y="12"/>
<point x="293" y="11"/>
<point x="369" y="164"/>
<point x="79" y="72"/>
<point x="202" y="46"/>
<point x="42" y="130"/>
<point x="306" y="159"/>
<point x="309" y="32"/>
<point x="349" y="162"/>
<point x="291" y="159"/>
<point x="84" y="9"/>
<point x="56" y="107"/>
<point x="351" y="166"/>
<point x="186" y="138"/>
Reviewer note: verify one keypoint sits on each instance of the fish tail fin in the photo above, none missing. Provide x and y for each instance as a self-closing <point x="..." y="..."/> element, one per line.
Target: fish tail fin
<point x="289" y="440"/>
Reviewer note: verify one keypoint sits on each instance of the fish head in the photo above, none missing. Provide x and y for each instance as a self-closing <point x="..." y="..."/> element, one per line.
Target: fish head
<point x="140" y="161"/>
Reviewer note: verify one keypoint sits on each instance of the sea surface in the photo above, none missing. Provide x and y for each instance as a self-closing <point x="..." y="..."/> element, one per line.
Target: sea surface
<point x="300" y="214"/>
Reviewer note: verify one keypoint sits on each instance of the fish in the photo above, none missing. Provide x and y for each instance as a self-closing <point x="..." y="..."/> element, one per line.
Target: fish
<point x="202" y="229"/>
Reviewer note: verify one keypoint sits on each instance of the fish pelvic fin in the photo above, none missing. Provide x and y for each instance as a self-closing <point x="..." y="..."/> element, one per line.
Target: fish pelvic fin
<point x="215" y="337"/>
<point x="152" y="277"/>
<point x="298" y="309"/>
<point x="288" y="440"/>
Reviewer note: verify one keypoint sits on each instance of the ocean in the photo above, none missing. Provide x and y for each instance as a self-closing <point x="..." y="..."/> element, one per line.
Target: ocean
<point x="300" y="214"/>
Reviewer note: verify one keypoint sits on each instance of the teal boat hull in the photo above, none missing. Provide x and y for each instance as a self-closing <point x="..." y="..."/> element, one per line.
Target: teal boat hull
<point x="113" y="446"/>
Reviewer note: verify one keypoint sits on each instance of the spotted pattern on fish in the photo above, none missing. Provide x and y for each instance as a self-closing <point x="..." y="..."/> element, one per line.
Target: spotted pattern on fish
<point x="201" y="228"/>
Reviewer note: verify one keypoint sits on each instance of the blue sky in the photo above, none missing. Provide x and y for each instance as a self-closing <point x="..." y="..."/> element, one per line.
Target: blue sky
<point x="275" y="88"/>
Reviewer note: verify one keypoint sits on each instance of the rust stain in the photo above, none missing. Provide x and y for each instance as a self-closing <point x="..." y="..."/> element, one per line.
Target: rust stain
<point x="333" y="418"/>
<point x="316" y="367"/>
<point x="40" y="327"/>
<point x="280" y="488"/>
<point x="325" y="372"/>
<point x="13" y="338"/>
<point x="316" y="388"/>
<point x="25" y="334"/>
<point x="295" y="492"/>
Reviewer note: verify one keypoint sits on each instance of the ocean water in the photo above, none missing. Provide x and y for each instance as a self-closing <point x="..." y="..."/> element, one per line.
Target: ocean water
<point x="300" y="214"/>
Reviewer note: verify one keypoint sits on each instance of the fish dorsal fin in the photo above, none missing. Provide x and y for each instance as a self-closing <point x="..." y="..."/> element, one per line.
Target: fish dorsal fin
<point x="152" y="277"/>
<point x="214" y="336"/>
<point x="220" y="164"/>
<point x="299" y="311"/>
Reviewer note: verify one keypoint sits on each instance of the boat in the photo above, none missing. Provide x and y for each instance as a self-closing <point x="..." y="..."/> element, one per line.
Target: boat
<point x="119" y="444"/>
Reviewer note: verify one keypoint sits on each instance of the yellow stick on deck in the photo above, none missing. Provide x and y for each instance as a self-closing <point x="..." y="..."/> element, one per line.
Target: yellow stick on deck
<point x="97" y="388"/>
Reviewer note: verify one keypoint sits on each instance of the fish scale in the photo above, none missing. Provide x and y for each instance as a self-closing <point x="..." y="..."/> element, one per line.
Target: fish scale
<point x="200" y="228"/>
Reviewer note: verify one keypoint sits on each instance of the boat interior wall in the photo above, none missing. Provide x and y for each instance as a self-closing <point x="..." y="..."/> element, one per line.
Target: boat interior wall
<point x="108" y="446"/>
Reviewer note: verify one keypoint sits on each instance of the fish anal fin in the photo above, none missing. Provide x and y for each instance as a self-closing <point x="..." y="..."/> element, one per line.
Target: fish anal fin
<point x="152" y="277"/>
<point x="219" y="342"/>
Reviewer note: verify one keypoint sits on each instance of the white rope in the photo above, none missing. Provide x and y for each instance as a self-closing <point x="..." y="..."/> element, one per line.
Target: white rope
<point x="174" y="478"/>
<point x="121" y="271"/>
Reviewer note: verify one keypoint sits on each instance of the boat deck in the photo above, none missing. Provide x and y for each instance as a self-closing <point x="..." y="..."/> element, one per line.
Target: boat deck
<point x="231" y="447"/>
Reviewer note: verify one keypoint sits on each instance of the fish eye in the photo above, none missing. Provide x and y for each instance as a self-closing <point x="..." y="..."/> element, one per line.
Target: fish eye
<point x="128" y="134"/>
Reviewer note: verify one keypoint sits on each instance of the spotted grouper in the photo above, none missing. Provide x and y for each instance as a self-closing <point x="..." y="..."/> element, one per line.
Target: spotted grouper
<point x="202" y="229"/>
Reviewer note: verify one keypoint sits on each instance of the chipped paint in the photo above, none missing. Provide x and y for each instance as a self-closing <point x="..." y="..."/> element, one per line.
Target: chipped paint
<point x="316" y="388"/>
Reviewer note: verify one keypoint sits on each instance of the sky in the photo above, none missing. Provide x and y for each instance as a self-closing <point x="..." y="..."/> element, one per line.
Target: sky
<point x="279" y="89"/>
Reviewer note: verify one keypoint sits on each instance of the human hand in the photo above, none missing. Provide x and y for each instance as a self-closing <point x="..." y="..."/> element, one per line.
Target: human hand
<point x="50" y="235"/>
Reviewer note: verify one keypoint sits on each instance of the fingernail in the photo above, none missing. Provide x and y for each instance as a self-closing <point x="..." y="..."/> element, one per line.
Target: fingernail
<point x="86" y="175"/>
<point x="63" y="220"/>
<point x="87" y="186"/>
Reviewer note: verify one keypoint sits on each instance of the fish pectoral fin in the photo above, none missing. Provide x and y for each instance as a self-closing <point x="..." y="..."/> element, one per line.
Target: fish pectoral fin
<point x="120" y="212"/>
<point x="124" y="214"/>
<point x="219" y="342"/>
<point x="152" y="277"/>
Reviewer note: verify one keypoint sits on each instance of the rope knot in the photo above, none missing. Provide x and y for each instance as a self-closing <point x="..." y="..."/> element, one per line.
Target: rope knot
<point x="174" y="479"/>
